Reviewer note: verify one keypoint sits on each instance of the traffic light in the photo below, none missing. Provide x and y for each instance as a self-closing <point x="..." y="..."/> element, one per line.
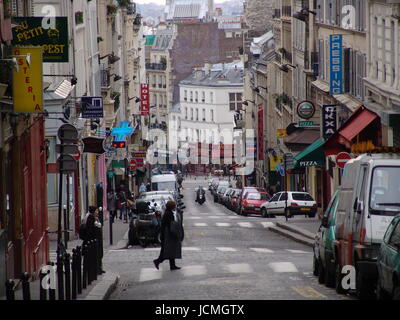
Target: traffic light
<point x="119" y="144"/>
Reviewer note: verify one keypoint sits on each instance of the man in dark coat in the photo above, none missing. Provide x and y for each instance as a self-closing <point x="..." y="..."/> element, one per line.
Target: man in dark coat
<point x="93" y="231"/>
<point x="171" y="246"/>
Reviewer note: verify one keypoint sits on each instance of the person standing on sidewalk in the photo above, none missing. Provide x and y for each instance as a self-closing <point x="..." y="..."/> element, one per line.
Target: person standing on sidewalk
<point x="93" y="231"/>
<point x="171" y="244"/>
<point x="112" y="204"/>
<point x="142" y="188"/>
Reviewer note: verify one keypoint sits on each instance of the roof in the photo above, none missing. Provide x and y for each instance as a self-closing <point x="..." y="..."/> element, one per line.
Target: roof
<point x="302" y="137"/>
<point x="162" y="39"/>
<point x="186" y="9"/>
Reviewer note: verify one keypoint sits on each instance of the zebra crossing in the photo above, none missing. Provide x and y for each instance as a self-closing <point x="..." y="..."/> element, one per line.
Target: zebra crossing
<point x="229" y="224"/>
<point x="150" y="273"/>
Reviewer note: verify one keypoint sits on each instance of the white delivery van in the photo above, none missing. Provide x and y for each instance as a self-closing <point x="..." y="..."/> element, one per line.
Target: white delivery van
<point x="164" y="182"/>
<point x="369" y="199"/>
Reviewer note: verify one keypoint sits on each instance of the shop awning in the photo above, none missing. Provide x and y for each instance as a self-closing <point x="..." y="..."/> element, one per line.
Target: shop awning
<point x="358" y="124"/>
<point x="313" y="155"/>
<point x="301" y="138"/>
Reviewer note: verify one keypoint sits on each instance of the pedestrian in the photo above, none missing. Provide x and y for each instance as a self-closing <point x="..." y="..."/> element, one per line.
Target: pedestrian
<point x="112" y="204"/>
<point x="142" y="188"/>
<point x="171" y="244"/>
<point x="94" y="231"/>
<point x="148" y="187"/>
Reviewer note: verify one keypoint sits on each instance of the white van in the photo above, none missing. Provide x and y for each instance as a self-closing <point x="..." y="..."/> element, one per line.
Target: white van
<point x="164" y="182"/>
<point x="369" y="199"/>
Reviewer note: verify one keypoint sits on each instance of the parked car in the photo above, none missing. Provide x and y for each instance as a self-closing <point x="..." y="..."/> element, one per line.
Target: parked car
<point x="234" y="198"/>
<point x="225" y="196"/>
<point x="164" y="182"/>
<point x="220" y="183"/>
<point x="290" y="203"/>
<point x="369" y="200"/>
<point x="219" y="193"/>
<point x="323" y="261"/>
<point x="252" y="202"/>
<point x="243" y="194"/>
<point x="389" y="263"/>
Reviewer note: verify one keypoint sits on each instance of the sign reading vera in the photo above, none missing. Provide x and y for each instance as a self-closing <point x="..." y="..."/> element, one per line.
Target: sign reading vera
<point x="336" y="63"/>
<point x="28" y="80"/>
<point x="49" y="32"/>
<point x="145" y="100"/>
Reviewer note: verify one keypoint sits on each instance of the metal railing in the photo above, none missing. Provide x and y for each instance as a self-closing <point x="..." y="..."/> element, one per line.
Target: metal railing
<point x="156" y="66"/>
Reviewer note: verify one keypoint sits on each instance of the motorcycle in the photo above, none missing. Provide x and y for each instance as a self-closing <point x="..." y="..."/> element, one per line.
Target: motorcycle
<point x="145" y="225"/>
<point x="201" y="199"/>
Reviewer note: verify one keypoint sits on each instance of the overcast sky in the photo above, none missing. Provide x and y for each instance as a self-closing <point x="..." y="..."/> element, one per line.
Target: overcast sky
<point x="163" y="1"/>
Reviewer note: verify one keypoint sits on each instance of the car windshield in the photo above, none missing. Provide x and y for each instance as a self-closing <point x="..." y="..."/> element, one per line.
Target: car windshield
<point x="385" y="190"/>
<point x="257" y="196"/>
<point x="167" y="185"/>
<point x="302" y="197"/>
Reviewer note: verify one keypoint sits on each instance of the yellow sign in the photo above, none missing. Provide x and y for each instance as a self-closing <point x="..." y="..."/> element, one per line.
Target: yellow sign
<point x="281" y="133"/>
<point x="274" y="161"/>
<point x="28" y="80"/>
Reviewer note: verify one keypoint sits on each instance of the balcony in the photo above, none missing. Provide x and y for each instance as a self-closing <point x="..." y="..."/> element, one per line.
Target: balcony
<point x="156" y="66"/>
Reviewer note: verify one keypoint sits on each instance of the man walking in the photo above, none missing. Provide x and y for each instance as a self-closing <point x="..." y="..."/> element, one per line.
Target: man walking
<point x="93" y="231"/>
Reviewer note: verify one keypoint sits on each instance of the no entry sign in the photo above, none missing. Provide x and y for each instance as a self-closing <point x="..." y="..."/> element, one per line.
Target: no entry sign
<point x="342" y="158"/>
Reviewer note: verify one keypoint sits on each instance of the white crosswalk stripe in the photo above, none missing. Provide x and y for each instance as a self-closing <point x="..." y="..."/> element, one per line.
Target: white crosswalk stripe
<point x="297" y="251"/>
<point x="239" y="268"/>
<point x="194" y="218"/>
<point x="223" y="224"/>
<point x="283" y="267"/>
<point x="267" y="224"/>
<point x="196" y="270"/>
<point x="245" y="224"/>
<point x="151" y="249"/>
<point x="213" y="217"/>
<point x="226" y="249"/>
<point x="190" y="249"/>
<point x="200" y="224"/>
<point x="148" y="274"/>
<point x="262" y="250"/>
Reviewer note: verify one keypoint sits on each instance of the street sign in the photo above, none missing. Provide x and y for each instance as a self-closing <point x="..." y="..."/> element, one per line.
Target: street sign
<point x="67" y="148"/>
<point x="342" y="158"/>
<point x="67" y="133"/>
<point x="289" y="161"/>
<point x="132" y="165"/>
<point x="92" y="107"/>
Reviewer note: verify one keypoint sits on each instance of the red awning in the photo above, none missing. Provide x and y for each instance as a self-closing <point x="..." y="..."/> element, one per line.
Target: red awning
<point x="350" y="131"/>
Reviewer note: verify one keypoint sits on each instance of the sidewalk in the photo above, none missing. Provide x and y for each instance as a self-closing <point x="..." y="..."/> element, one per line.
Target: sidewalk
<point x="105" y="284"/>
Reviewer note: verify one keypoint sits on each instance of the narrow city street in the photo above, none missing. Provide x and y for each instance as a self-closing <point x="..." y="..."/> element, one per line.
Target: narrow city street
<point x="225" y="256"/>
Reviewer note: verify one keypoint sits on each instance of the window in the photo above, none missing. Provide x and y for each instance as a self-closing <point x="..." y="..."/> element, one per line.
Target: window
<point x="185" y="95"/>
<point x="212" y="115"/>
<point x="186" y="113"/>
<point x="203" y="97"/>
<point x="354" y="72"/>
<point x="191" y="113"/>
<point x="235" y="101"/>
<point x="197" y="114"/>
<point x="204" y="114"/>
<point x="302" y="197"/>
<point x="283" y="196"/>
<point x="197" y="96"/>
<point x="275" y="197"/>
<point x="211" y="97"/>
<point x="191" y="96"/>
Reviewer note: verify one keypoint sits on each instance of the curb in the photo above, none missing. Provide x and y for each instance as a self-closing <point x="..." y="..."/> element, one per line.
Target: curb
<point x="295" y="229"/>
<point x="105" y="287"/>
<point x="294" y="236"/>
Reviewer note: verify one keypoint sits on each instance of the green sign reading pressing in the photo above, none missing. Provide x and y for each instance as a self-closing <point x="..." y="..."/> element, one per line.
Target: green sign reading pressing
<point x="51" y="34"/>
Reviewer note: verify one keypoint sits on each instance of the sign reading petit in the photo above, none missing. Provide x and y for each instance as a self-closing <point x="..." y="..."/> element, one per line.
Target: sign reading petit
<point x="28" y="80"/>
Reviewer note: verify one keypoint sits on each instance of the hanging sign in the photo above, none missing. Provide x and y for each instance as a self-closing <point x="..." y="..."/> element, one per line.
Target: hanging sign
<point x="328" y="120"/>
<point x="145" y="100"/>
<point x="28" y="80"/>
<point x="336" y="63"/>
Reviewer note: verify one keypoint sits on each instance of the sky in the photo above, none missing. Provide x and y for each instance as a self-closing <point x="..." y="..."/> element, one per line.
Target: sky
<point x="163" y="1"/>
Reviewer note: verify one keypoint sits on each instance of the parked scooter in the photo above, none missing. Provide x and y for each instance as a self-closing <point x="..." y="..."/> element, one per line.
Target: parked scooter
<point x="145" y="225"/>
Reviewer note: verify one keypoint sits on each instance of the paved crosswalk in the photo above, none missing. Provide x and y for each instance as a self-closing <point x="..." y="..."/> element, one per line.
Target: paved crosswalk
<point x="229" y="224"/>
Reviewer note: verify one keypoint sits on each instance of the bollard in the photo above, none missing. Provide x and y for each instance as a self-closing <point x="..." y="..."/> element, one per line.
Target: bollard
<point x="67" y="269"/>
<point x="60" y="277"/>
<point x="43" y="291"/>
<point x="79" y="268"/>
<point x="85" y="266"/>
<point x="52" y="292"/>
<point x="10" y="293"/>
<point x="74" y="272"/>
<point x="95" y="260"/>
<point x="89" y="263"/>
<point x="26" y="291"/>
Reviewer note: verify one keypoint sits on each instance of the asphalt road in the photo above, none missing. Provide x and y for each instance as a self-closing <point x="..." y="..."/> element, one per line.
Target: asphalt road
<point x="225" y="257"/>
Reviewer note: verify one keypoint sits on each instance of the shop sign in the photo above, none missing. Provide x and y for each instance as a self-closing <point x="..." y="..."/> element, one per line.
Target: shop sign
<point x="28" y="80"/>
<point x="281" y="133"/>
<point x="145" y="100"/>
<point x="336" y="63"/>
<point x="308" y="163"/>
<point x="305" y="110"/>
<point x="51" y="33"/>
<point x="328" y="120"/>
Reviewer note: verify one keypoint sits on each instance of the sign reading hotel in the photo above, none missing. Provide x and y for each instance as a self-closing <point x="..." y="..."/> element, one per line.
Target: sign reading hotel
<point x="49" y="32"/>
<point x="336" y="63"/>
<point x="28" y="80"/>
<point x="145" y="97"/>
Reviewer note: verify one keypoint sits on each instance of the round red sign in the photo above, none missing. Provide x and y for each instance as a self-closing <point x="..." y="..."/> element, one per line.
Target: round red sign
<point x="342" y="158"/>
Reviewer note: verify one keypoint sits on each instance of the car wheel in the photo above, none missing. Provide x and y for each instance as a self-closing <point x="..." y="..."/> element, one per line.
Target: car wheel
<point x="264" y="212"/>
<point x="381" y="294"/>
<point x="315" y="266"/>
<point x="329" y="277"/>
<point x="364" y="286"/>
<point x="321" y="272"/>
<point x="338" y="280"/>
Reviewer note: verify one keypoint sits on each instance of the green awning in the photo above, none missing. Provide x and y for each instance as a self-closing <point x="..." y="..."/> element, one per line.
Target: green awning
<point x="313" y="155"/>
<point x="150" y="40"/>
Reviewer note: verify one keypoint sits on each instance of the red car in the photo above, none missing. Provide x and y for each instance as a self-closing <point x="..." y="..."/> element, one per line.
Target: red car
<point x="242" y="195"/>
<point x="234" y="198"/>
<point x="253" y="201"/>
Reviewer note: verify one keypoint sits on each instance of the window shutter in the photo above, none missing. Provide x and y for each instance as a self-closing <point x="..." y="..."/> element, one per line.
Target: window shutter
<point x="347" y="69"/>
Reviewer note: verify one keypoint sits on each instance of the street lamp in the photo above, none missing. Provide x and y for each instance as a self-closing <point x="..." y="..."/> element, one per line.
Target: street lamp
<point x="284" y="67"/>
<point x="246" y="102"/>
<point x="112" y="58"/>
<point x="137" y="99"/>
<point x="257" y="90"/>
<point x="116" y="77"/>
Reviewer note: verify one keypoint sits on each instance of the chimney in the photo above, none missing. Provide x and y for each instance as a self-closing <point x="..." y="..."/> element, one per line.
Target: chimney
<point x="207" y="68"/>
